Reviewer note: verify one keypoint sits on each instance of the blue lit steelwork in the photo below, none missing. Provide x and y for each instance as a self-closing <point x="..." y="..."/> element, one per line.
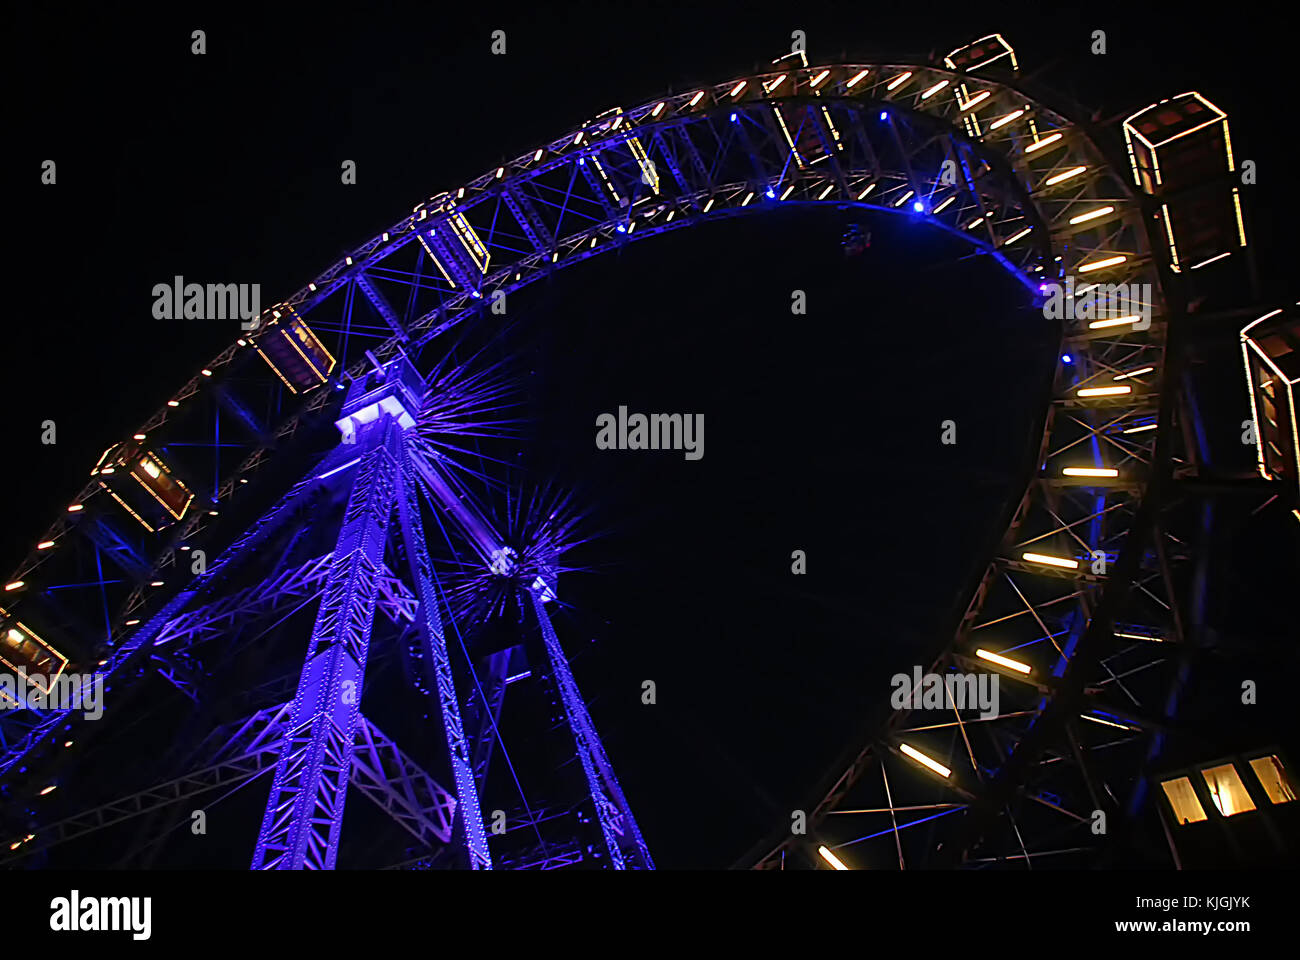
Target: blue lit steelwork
<point x="304" y="815"/>
<point x="622" y="836"/>
<point x="469" y="815"/>
<point x="976" y="154"/>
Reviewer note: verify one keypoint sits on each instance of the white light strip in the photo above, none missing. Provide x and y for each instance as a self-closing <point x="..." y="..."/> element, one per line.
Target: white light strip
<point x="1046" y="141"/>
<point x="1092" y="215"/>
<point x="1113" y="322"/>
<point x="1003" y="661"/>
<point x="1044" y="559"/>
<point x="922" y="759"/>
<point x="1134" y="373"/>
<point x="1003" y="121"/>
<point x="1204" y="263"/>
<point x="1063" y="176"/>
<point x="1105" y="391"/>
<point x="830" y="858"/>
<point x="1102" y="264"/>
<point x="1090" y="472"/>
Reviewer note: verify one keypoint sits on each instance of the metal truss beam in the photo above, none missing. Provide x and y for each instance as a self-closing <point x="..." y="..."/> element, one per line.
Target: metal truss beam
<point x="382" y="306"/>
<point x="623" y="841"/>
<point x="429" y="622"/>
<point x="380" y="771"/>
<point x="304" y="814"/>
<point x="283" y="590"/>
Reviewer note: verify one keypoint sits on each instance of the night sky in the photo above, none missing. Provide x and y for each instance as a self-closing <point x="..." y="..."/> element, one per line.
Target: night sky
<point x="821" y="431"/>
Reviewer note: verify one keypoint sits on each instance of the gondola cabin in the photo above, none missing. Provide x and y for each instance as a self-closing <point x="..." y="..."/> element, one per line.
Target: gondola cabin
<point x="612" y="122"/>
<point x="296" y="354"/>
<point x="143" y="485"/>
<point x="808" y="130"/>
<point x="1239" y="809"/>
<point x="1181" y="154"/>
<point x="451" y="242"/>
<point x="982" y="53"/>
<point x="21" y="649"/>
<point x="1270" y="347"/>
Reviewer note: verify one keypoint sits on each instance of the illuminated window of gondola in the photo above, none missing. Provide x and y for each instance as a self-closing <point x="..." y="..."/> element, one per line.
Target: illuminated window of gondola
<point x="1182" y="797"/>
<point x="21" y="648"/>
<point x="1227" y="791"/>
<point x="1272" y="777"/>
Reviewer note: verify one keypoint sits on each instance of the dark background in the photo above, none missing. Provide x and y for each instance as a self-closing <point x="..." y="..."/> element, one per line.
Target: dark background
<point x="821" y="431"/>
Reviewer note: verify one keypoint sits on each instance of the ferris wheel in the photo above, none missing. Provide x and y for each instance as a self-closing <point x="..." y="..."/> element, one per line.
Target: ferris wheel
<point x="367" y="414"/>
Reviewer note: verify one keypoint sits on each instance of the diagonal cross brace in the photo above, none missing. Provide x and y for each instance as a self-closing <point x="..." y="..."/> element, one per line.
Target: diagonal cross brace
<point x="380" y="771"/>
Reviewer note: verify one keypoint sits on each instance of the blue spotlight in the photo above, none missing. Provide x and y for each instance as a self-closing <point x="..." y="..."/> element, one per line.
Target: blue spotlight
<point x="770" y="193"/>
<point x="476" y="295"/>
<point x="733" y="118"/>
<point x="884" y="114"/>
<point x="918" y="206"/>
<point x="622" y="229"/>
<point x="1066" y="358"/>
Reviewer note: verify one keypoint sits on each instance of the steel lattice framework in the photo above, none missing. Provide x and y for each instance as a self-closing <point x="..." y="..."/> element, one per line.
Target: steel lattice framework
<point x="1084" y="588"/>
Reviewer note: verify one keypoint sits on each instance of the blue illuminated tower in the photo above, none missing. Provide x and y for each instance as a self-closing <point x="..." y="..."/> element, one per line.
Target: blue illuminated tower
<point x="304" y="814"/>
